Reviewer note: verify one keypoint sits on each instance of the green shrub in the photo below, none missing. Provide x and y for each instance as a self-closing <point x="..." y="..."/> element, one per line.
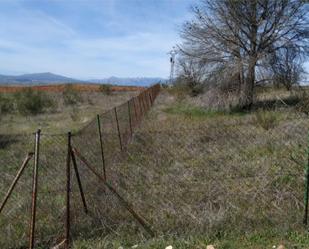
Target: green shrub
<point x="192" y="111"/>
<point x="106" y="89"/>
<point x="71" y="96"/>
<point x="6" y="104"/>
<point x="266" y="119"/>
<point x="303" y="103"/>
<point x="29" y="101"/>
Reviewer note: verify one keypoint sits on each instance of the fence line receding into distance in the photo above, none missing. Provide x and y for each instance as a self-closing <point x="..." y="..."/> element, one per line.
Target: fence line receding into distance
<point x="67" y="190"/>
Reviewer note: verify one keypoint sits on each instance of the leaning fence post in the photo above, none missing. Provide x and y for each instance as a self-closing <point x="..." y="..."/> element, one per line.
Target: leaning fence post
<point x="119" y="135"/>
<point x="68" y="190"/>
<point x="101" y="145"/>
<point x="130" y="120"/>
<point x="79" y="181"/>
<point x="135" y="111"/>
<point x="306" y="187"/>
<point x="151" y="98"/>
<point x="17" y="177"/>
<point x="141" y="108"/>
<point x="34" y="188"/>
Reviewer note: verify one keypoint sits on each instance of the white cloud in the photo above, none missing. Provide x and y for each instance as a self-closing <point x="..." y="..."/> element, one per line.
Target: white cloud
<point x="34" y="41"/>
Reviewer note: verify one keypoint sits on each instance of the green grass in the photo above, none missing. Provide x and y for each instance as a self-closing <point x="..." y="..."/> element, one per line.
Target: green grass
<point x="192" y="111"/>
<point x="198" y="112"/>
<point x="197" y="176"/>
<point x="62" y="117"/>
<point x="255" y="240"/>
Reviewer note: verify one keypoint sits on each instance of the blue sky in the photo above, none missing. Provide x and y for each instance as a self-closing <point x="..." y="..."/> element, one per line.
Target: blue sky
<point x="90" y="38"/>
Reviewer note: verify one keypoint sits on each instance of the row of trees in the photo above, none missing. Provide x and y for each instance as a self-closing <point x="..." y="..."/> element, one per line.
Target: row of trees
<point x="241" y="43"/>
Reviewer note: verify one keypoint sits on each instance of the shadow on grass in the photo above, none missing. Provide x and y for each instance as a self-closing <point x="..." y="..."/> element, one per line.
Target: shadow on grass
<point x="191" y="111"/>
<point x="7" y="140"/>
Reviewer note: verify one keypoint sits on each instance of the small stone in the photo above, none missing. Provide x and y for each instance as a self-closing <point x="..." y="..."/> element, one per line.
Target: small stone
<point x="210" y="247"/>
<point x="135" y="246"/>
<point x="169" y="247"/>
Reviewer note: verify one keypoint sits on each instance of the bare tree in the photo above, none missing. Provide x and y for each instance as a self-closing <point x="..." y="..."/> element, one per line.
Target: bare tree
<point x="242" y="33"/>
<point x="286" y="67"/>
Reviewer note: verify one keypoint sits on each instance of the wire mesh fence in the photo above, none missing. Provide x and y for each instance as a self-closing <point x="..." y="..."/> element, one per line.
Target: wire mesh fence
<point x="47" y="197"/>
<point x="178" y="179"/>
<point x="214" y="177"/>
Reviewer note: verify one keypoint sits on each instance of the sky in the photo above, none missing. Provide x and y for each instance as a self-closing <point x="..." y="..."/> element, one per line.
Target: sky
<point x="90" y="38"/>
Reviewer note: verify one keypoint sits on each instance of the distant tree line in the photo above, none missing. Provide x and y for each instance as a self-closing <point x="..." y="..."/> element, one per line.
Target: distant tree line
<point x="239" y="44"/>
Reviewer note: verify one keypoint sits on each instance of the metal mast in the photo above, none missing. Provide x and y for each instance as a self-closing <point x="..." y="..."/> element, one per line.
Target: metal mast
<point x="172" y="54"/>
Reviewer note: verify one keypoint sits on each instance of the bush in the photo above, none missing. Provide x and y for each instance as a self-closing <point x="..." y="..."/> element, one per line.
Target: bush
<point x="29" y="101"/>
<point x="266" y="119"/>
<point x="71" y="96"/>
<point x="6" y="105"/>
<point x="303" y="103"/>
<point x="106" y="89"/>
<point x="188" y="86"/>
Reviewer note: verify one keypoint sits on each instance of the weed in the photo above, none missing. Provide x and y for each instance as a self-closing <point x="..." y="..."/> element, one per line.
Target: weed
<point x="192" y="111"/>
<point x="6" y="105"/>
<point x="266" y="119"/>
<point x="106" y="89"/>
<point x="71" y="96"/>
<point x="32" y="102"/>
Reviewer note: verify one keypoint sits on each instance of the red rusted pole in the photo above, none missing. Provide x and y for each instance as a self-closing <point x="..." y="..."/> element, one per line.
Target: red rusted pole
<point x="140" y="108"/>
<point x="151" y="99"/>
<point x="101" y="146"/>
<point x="19" y="173"/>
<point x="34" y="188"/>
<point x="130" y="120"/>
<point x="79" y="181"/>
<point x="68" y="190"/>
<point x="119" y="135"/>
<point x="143" y="104"/>
<point x="135" y="111"/>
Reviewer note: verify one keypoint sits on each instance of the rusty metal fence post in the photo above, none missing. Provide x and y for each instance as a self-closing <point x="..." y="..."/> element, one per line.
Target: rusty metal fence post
<point x="101" y="145"/>
<point x="118" y="128"/>
<point x="135" y="111"/>
<point x="78" y="181"/>
<point x="17" y="177"/>
<point x="34" y="188"/>
<point x="67" y="196"/>
<point x="130" y="119"/>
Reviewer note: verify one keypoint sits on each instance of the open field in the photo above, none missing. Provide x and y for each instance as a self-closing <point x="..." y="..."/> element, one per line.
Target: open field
<point x="198" y="177"/>
<point x="61" y="117"/>
<point x="52" y="177"/>
<point x="60" y="87"/>
<point x="202" y="177"/>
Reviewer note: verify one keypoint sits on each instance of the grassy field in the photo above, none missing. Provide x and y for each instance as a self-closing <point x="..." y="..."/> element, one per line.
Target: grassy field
<point x="61" y="117"/>
<point x="17" y="139"/>
<point x="197" y="175"/>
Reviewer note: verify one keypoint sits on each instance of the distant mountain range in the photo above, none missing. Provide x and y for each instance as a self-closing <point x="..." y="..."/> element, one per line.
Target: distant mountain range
<point x="50" y="78"/>
<point x="138" y="81"/>
<point x="35" y="78"/>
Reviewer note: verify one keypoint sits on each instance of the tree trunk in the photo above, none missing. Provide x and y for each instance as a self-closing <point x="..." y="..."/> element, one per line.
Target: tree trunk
<point x="247" y="93"/>
<point x="246" y="99"/>
<point x="240" y="77"/>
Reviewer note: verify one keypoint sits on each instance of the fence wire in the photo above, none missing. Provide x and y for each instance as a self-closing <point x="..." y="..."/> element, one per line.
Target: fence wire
<point x="217" y="177"/>
<point x="67" y="202"/>
<point x="178" y="178"/>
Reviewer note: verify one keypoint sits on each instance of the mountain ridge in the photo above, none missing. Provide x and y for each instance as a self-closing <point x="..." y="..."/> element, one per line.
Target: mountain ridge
<point x="51" y="78"/>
